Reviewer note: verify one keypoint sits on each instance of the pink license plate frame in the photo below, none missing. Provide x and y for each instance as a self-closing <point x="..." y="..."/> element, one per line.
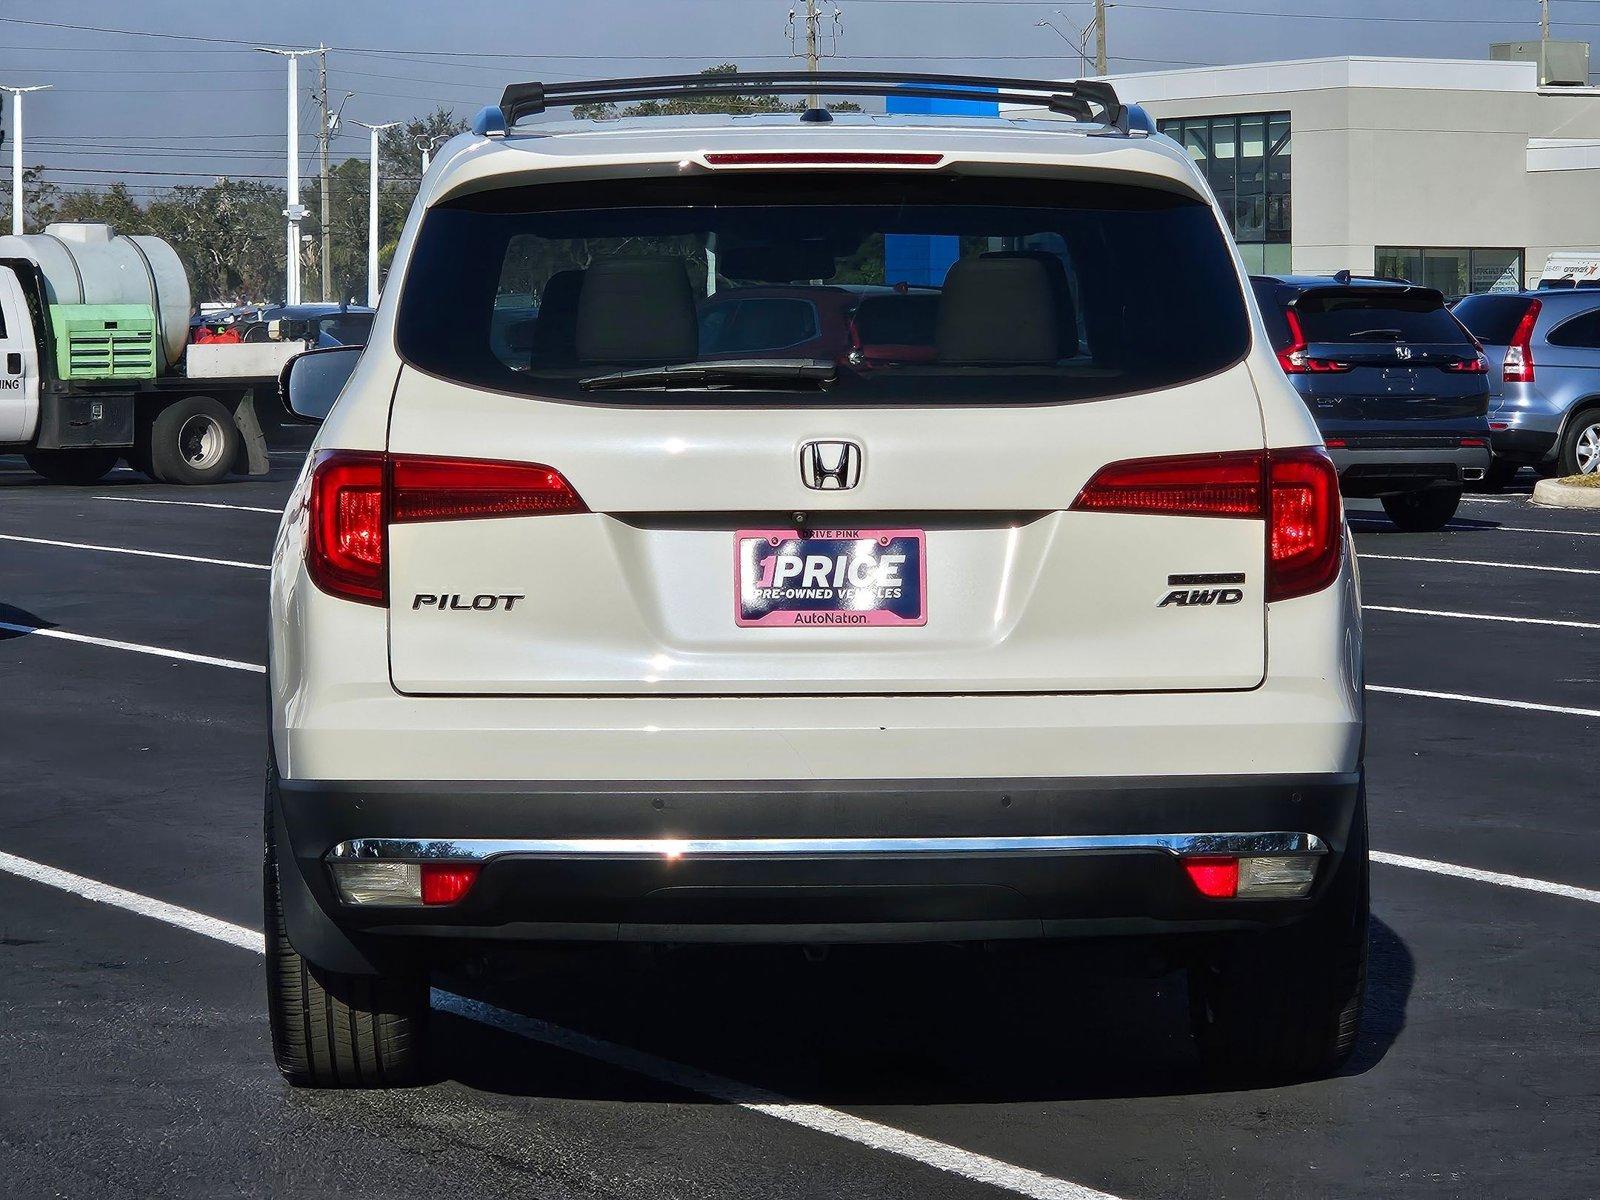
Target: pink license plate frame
<point x="846" y="578"/>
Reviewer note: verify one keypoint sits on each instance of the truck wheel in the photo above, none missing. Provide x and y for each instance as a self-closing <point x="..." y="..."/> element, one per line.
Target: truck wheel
<point x="193" y="440"/>
<point x="1425" y="511"/>
<point x="331" y="1030"/>
<point x="73" y="466"/>
<point x="1286" y="1003"/>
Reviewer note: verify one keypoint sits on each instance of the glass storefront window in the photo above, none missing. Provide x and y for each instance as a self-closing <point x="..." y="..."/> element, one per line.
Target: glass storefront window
<point x="1456" y="272"/>
<point x="1246" y="159"/>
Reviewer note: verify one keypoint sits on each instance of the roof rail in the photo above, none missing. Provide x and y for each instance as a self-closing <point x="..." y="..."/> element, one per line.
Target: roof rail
<point x="1083" y="100"/>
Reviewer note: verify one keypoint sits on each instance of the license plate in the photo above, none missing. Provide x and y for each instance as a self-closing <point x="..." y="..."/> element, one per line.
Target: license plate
<point x="830" y="578"/>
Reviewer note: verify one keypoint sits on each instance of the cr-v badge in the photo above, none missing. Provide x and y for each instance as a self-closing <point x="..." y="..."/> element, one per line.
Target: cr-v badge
<point x="830" y="466"/>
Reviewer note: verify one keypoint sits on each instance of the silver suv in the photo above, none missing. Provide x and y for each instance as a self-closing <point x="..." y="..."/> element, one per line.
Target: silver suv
<point x="1544" y="378"/>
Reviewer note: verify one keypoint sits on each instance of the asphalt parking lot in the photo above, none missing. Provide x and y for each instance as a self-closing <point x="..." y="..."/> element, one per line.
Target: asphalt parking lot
<point x="134" y="1055"/>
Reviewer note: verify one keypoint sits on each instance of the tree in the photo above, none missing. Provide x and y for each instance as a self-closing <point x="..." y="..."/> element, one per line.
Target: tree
<point x="732" y="102"/>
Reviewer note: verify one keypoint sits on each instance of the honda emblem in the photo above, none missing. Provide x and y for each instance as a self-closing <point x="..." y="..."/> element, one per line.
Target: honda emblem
<point x="830" y="466"/>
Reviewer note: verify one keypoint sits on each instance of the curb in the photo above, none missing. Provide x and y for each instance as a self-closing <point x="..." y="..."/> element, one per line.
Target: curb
<point x="1552" y="493"/>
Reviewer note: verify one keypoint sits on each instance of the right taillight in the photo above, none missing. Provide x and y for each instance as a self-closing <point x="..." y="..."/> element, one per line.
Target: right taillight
<point x="357" y="495"/>
<point x="1519" y="354"/>
<point x="1304" y="524"/>
<point x="1295" y="492"/>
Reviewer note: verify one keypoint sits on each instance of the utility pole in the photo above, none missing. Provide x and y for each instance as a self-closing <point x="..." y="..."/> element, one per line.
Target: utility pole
<point x="322" y="152"/>
<point x="813" y="52"/>
<point x="812" y="17"/>
<point x="372" y="213"/>
<point x="294" y="212"/>
<point x="1100" y="37"/>
<point x="16" y="149"/>
<point x="1544" y="20"/>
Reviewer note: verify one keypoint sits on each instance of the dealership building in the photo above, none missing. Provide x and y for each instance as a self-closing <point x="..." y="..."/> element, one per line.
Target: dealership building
<point x="1461" y="174"/>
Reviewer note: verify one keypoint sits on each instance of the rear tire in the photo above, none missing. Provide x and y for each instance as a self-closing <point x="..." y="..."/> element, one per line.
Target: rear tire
<point x="1580" y="445"/>
<point x="331" y="1030"/>
<point x="193" y="440"/>
<point x="1425" y="511"/>
<point x="1286" y="1003"/>
<point x="73" y="466"/>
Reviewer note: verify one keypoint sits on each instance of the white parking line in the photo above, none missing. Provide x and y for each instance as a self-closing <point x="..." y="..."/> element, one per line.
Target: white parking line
<point x="1587" y="895"/>
<point x="1465" y="616"/>
<point x="1526" y="705"/>
<point x="1474" y="562"/>
<point x="277" y="512"/>
<point x="941" y="1156"/>
<point x="1380" y="523"/>
<point x="215" y="562"/>
<point x="133" y="647"/>
<point x="145" y="906"/>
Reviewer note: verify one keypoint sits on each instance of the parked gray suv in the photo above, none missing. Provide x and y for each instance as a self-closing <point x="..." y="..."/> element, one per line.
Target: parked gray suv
<point x="1544" y="378"/>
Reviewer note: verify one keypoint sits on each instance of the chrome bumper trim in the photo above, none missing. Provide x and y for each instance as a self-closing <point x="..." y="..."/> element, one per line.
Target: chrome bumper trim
<point x="1186" y="845"/>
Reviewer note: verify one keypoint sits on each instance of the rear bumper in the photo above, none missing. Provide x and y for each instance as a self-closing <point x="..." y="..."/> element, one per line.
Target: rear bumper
<point x="847" y="861"/>
<point x="1383" y="466"/>
<point x="1523" y="445"/>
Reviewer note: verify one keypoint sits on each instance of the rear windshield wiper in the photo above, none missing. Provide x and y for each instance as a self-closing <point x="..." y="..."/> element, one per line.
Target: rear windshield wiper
<point x="786" y="374"/>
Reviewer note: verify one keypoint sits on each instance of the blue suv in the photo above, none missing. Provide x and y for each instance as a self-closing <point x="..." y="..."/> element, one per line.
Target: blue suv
<point x="1397" y="385"/>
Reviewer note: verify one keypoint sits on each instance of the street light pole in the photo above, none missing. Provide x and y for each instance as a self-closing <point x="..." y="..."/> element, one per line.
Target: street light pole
<point x="1080" y="43"/>
<point x="16" y="149"/>
<point x="372" y="213"/>
<point x="295" y="211"/>
<point x="426" y="145"/>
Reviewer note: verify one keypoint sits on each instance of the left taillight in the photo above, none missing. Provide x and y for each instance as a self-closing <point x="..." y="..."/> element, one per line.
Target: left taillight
<point x="357" y="495"/>
<point x="1294" y="491"/>
<point x="346" y="551"/>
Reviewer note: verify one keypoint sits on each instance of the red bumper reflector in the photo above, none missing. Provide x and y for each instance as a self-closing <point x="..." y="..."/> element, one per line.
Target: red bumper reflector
<point x="1474" y="442"/>
<point x="1217" y="878"/>
<point x="1498" y="426"/>
<point x="445" y="883"/>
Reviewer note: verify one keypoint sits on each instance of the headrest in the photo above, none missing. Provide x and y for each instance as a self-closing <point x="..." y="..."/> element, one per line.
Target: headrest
<point x="997" y="311"/>
<point x="1060" y="291"/>
<point x="553" y="338"/>
<point x="637" y="311"/>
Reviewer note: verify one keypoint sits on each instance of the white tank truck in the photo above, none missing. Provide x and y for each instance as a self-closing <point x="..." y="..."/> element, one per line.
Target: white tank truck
<point x="95" y="364"/>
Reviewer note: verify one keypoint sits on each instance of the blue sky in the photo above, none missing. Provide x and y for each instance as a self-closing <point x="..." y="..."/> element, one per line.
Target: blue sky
<point x="157" y="104"/>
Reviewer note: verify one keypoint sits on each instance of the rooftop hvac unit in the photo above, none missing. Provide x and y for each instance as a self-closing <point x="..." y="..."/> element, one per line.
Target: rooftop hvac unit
<point x="1561" y="64"/>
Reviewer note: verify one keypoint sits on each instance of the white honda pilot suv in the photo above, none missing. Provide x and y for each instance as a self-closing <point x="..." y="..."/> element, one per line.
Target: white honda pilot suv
<point x="813" y="528"/>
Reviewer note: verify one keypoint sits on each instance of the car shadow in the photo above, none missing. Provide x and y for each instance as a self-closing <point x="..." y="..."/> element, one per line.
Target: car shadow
<point x="869" y="1025"/>
<point x="10" y="615"/>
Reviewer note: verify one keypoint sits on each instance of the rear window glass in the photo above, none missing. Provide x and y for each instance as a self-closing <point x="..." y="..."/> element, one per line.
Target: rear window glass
<point x="1492" y="319"/>
<point x="1346" y="316"/>
<point x="967" y="289"/>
